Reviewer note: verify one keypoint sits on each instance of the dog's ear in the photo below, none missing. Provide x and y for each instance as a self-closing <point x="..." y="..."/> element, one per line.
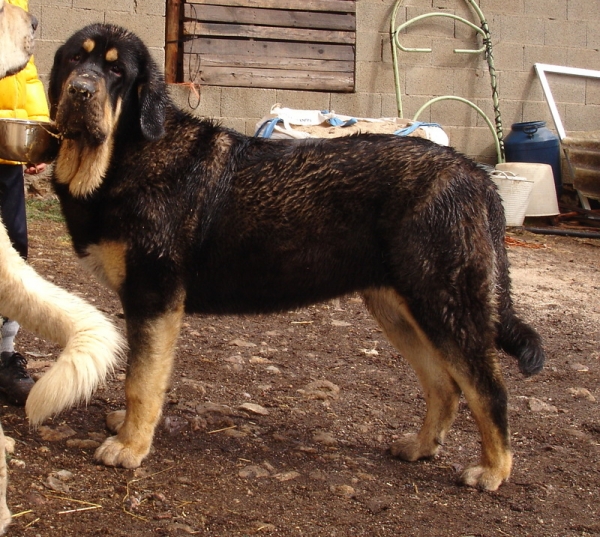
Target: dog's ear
<point x="153" y="101"/>
<point x="54" y="88"/>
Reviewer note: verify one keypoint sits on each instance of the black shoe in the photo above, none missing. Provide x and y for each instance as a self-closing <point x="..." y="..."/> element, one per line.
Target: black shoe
<point x="15" y="382"/>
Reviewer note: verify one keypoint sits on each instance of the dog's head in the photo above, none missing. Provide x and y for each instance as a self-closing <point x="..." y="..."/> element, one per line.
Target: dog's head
<point x="99" y="74"/>
<point x="17" y="28"/>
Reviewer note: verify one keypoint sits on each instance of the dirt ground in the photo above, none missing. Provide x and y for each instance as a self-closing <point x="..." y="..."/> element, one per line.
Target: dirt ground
<point x="278" y="425"/>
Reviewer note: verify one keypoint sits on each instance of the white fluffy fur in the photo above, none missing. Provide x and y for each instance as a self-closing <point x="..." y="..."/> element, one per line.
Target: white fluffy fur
<point x="92" y="344"/>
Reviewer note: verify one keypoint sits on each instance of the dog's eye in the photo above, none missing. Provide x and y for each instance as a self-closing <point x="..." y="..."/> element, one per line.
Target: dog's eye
<point x="75" y="58"/>
<point x="116" y="69"/>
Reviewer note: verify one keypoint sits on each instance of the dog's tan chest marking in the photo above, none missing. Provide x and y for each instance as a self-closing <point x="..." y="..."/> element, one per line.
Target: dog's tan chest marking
<point x="107" y="262"/>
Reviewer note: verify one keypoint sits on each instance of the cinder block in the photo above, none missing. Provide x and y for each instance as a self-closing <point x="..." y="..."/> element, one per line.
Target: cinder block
<point x="57" y="23"/>
<point x="369" y="46"/>
<point x="150" y="7"/>
<point x="389" y="107"/>
<point x="205" y="103"/>
<point x="235" y="123"/>
<point x="506" y="6"/>
<point x="452" y="113"/>
<point x="149" y="28"/>
<point x="433" y="26"/>
<point x="44" y="55"/>
<point x="357" y="104"/>
<point x="546" y="9"/>
<point x="593" y="35"/>
<point x="519" y="86"/>
<point x="411" y="104"/>
<point x="509" y="56"/>
<point x="583" y="58"/>
<point x="429" y="81"/>
<point x="114" y="5"/>
<point x="567" y="89"/>
<point x="562" y="33"/>
<point x="539" y="111"/>
<point x="583" y="10"/>
<point x="581" y="116"/>
<point x="475" y="142"/>
<point x="522" y="30"/>
<point x="304" y="100"/>
<point x="374" y="16"/>
<point x="592" y="93"/>
<point x="247" y="102"/>
<point x="510" y="112"/>
<point x="414" y="41"/>
<point x="443" y="54"/>
<point x="374" y="77"/>
<point x="544" y="54"/>
<point x="473" y="83"/>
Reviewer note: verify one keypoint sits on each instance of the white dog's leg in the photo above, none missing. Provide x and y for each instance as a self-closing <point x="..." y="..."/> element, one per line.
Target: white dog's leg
<point x="4" y="511"/>
<point x="92" y="344"/>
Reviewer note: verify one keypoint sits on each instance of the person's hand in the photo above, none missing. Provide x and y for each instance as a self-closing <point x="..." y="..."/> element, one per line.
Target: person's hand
<point x="33" y="169"/>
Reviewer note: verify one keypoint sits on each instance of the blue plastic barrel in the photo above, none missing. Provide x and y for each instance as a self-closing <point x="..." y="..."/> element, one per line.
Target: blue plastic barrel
<point x="532" y="141"/>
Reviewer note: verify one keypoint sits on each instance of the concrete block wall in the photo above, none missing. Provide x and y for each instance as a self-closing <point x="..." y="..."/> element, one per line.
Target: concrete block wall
<point x="61" y="18"/>
<point x="561" y="32"/>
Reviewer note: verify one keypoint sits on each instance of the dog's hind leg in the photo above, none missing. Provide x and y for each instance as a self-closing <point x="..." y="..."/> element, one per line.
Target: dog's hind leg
<point x="444" y="374"/>
<point x="441" y="392"/>
<point x="152" y="345"/>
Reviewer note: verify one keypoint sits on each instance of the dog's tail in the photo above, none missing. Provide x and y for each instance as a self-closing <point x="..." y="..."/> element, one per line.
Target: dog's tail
<point x="514" y="335"/>
<point x="92" y="345"/>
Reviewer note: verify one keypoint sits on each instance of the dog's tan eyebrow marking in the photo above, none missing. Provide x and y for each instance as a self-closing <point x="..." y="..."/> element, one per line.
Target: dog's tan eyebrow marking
<point x="88" y="45"/>
<point x="112" y="55"/>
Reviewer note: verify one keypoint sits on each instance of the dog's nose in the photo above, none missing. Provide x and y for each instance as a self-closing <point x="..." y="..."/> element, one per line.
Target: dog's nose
<point x="34" y="22"/>
<point x="82" y="88"/>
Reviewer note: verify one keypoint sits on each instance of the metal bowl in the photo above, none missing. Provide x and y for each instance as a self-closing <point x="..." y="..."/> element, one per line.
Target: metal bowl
<point x="32" y="142"/>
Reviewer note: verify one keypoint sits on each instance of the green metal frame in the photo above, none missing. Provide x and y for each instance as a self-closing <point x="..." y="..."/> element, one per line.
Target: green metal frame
<point x="485" y="48"/>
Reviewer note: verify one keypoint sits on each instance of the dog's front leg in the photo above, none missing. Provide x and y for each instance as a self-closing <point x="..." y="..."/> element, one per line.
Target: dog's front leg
<point x="152" y="345"/>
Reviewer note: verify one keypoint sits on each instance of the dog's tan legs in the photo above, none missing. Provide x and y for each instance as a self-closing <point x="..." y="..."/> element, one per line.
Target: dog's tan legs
<point x="4" y="511"/>
<point x="488" y="409"/>
<point x="440" y="391"/>
<point x="443" y="381"/>
<point x="152" y="345"/>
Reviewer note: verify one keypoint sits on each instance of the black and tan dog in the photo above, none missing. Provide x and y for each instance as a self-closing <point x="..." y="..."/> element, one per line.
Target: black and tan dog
<point x="177" y="214"/>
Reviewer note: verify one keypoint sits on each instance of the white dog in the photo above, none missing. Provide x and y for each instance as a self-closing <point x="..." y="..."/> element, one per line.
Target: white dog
<point x="92" y="345"/>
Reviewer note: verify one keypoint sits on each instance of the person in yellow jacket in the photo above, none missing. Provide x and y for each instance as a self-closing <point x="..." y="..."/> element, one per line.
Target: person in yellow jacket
<point x="22" y="96"/>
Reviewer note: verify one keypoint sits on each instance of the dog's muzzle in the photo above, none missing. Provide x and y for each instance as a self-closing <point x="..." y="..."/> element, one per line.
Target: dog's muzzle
<point x="83" y="87"/>
<point x="82" y="108"/>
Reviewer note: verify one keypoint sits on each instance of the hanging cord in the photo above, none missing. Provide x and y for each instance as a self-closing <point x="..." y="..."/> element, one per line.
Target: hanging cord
<point x="194" y="68"/>
<point x="494" y="82"/>
<point x="487" y="41"/>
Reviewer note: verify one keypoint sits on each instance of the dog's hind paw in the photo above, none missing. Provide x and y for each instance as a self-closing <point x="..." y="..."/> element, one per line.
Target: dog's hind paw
<point x="115" y="420"/>
<point x="483" y="478"/>
<point x="410" y="448"/>
<point x="115" y="453"/>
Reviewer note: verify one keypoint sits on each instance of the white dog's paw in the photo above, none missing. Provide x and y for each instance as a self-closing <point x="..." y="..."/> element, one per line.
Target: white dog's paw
<point x="9" y="444"/>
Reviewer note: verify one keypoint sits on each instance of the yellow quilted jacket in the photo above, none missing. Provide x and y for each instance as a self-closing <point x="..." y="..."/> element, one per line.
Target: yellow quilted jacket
<point x="22" y="95"/>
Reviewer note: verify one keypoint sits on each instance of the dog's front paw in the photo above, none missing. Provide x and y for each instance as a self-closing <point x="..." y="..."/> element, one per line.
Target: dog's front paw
<point x="410" y="448"/>
<point x="483" y="477"/>
<point x="113" y="452"/>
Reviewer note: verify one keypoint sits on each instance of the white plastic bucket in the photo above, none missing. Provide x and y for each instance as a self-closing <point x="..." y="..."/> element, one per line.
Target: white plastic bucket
<point x="543" y="200"/>
<point x="515" y="192"/>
